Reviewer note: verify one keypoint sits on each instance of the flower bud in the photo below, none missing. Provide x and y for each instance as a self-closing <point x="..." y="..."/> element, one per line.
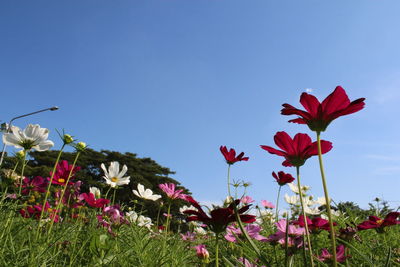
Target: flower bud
<point x="20" y="155"/>
<point x="67" y="139"/>
<point x="80" y="146"/>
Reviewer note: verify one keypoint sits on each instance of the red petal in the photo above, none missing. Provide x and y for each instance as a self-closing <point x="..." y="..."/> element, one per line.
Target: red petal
<point x="284" y="142"/>
<point x="337" y="100"/>
<point x="273" y="151"/>
<point x="298" y="120"/>
<point x="290" y="110"/>
<point x="301" y="142"/>
<point x="326" y="146"/>
<point x="310" y="103"/>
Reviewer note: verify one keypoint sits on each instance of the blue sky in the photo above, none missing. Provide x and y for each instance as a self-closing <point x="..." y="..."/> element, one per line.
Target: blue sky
<point x="174" y="80"/>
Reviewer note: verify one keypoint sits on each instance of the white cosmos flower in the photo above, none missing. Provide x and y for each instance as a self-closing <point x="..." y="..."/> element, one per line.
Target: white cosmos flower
<point x="146" y="194"/>
<point x="140" y="220"/>
<point x="320" y="201"/>
<point x="113" y="176"/>
<point x="95" y="191"/>
<point x="292" y="200"/>
<point x="32" y="137"/>
<point x="295" y="188"/>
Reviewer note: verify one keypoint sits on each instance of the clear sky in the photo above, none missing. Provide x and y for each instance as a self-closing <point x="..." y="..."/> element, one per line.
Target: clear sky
<point x="174" y="80"/>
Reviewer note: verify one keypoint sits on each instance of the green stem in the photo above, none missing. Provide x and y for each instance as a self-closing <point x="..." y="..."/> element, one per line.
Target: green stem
<point x="304" y="215"/>
<point x="48" y="190"/>
<point x="216" y="250"/>
<point x="229" y="180"/>
<point x="168" y="214"/>
<point x="328" y="201"/>
<point x="59" y="208"/>
<point x="277" y="204"/>
<point x="113" y="200"/>
<point x="22" y="172"/>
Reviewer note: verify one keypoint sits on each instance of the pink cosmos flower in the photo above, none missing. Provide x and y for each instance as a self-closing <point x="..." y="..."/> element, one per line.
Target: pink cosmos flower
<point x="293" y="231"/>
<point x="247" y="263"/>
<point x="169" y="189"/>
<point x="189" y="236"/>
<point x="252" y="229"/>
<point x="327" y="257"/>
<point x="268" y="205"/>
<point x="247" y="200"/>
<point x="202" y="252"/>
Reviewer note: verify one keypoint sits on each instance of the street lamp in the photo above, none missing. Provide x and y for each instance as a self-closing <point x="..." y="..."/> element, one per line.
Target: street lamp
<point x="7" y="128"/>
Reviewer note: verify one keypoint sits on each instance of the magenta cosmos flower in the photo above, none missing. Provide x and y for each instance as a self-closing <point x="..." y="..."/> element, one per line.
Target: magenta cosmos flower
<point x="169" y="189"/>
<point x="297" y="150"/>
<point x="230" y="156"/>
<point x="319" y="115"/>
<point x="219" y="218"/>
<point x="315" y="225"/>
<point x="283" y="178"/>
<point x="37" y="184"/>
<point x="93" y="202"/>
<point x="63" y="170"/>
<point x="378" y="224"/>
<point x="253" y="230"/>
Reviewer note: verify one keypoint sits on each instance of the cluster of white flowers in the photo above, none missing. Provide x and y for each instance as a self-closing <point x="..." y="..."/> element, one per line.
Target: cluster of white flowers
<point x="310" y="204"/>
<point x="140" y="220"/>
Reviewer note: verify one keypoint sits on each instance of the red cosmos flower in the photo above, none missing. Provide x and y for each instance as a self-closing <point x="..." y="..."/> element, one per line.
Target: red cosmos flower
<point x="378" y="224"/>
<point x="93" y="202"/>
<point x="315" y="225"/>
<point x="230" y="156"/>
<point x="35" y="184"/>
<point x="219" y="217"/>
<point x="283" y="178"/>
<point x="319" y="115"/>
<point x="297" y="150"/>
<point x="62" y="171"/>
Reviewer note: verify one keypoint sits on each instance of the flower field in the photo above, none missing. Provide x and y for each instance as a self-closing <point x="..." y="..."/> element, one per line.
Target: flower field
<point x="59" y="220"/>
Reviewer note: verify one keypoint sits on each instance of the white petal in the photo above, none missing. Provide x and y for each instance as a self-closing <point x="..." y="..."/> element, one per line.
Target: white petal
<point x="136" y="193"/>
<point x="104" y="169"/>
<point x="45" y="145"/>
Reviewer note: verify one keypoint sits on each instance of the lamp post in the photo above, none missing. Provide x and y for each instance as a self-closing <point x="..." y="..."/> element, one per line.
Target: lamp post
<point x="7" y="128"/>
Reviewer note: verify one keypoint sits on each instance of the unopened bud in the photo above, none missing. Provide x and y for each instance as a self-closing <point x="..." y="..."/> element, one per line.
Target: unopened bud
<point x="67" y="139"/>
<point x="80" y="146"/>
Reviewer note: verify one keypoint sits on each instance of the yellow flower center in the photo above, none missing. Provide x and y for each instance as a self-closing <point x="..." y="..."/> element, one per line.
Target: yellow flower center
<point x="61" y="180"/>
<point x="114" y="179"/>
<point x="379" y="222"/>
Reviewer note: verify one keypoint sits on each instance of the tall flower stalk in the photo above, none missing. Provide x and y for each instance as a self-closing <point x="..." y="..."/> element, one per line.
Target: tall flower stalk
<point x="277" y="204"/>
<point x="304" y="216"/>
<point x="328" y="202"/>
<point x="22" y="171"/>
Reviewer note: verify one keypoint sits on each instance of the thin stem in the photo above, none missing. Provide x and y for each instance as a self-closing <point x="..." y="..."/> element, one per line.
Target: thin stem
<point x="229" y="180"/>
<point x="216" y="250"/>
<point x="168" y="215"/>
<point x="22" y="172"/>
<point x="113" y="200"/>
<point x="328" y="201"/>
<point x="304" y="215"/>
<point x="277" y="204"/>
<point x="48" y="190"/>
